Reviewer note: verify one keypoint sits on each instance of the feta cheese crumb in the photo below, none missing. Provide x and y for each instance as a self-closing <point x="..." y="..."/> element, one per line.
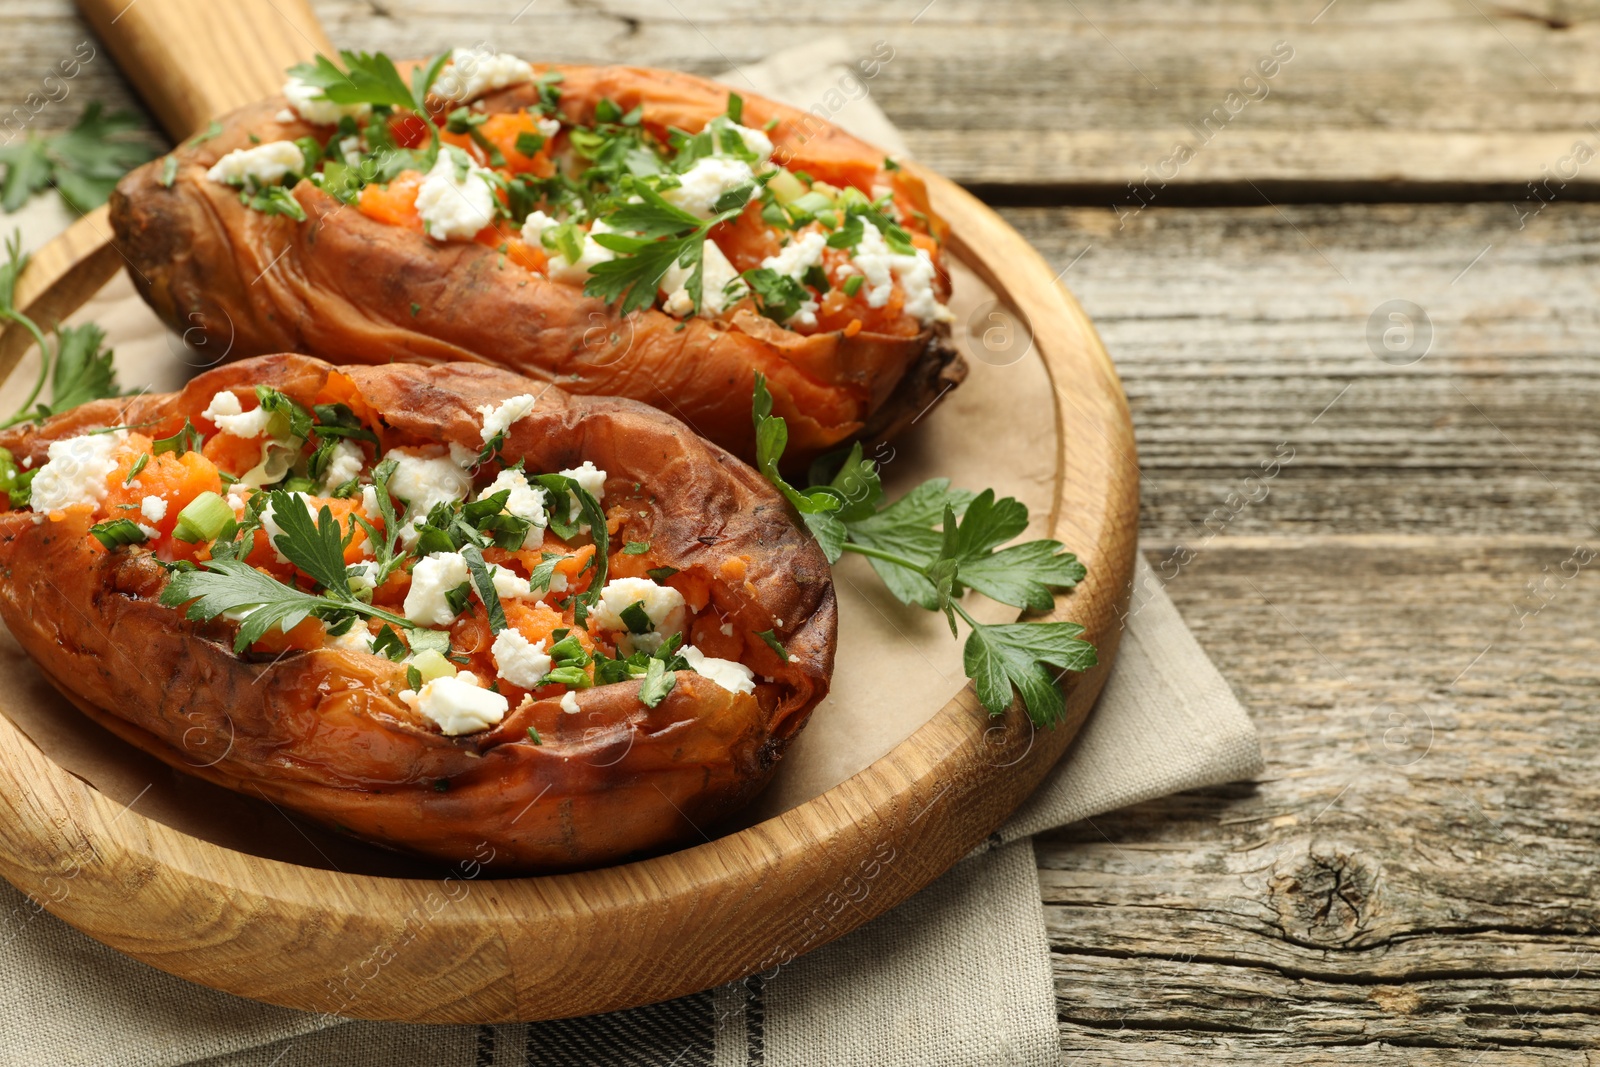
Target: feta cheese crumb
<point x="727" y="629"/>
<point x="794" y="260"/>
<point x="733" y="676"/>
<point x="706" y="182"/>
<point x="455" y="206"/>
<point x="525" y="502"/>
<point x="569" y="702"/>
<point x="314" y="106"/>
<point x="431" y="578"/>
<point x="474" y="71"/>
<point x="150" y="532"/>
<point x="717" y="274"/>
<point x="589" y="477"/>
<point x="559" y="268"/>
<point x="357" y="639"/>
<point x="345" y="462"/>
<point x="754" y="141"/>
<point x="153" y="508"/>
<point x="519" y="661"/>
<point x="662" y="604"/>
<point x="423" y="482"/>
<point x="882" y="268"/>
<point x="498" y="419"/>
<point x="260" y="165"/>
<point x="229" y="417"/>
<point x="457" y="704"/>
<point x="76" y="472"/>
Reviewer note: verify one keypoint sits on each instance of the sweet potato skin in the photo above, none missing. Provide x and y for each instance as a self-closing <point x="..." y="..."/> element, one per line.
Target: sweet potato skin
<point x="322" y="732"/>
<point x="355" y="290"/>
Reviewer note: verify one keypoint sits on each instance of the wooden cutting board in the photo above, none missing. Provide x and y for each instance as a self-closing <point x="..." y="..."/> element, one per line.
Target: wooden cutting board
<point x="458" y="947"/>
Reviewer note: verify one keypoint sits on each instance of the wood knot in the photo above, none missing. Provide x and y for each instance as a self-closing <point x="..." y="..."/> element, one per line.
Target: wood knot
<point x="1326" y="896"/>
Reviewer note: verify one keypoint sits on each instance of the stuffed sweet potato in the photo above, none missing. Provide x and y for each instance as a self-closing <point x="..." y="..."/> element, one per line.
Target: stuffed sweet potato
<point x="617" y="230"/>
<point x="445" y="608"/>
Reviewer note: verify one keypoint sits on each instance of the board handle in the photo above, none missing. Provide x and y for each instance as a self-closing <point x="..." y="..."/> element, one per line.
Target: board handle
<point x="192" y="60"/>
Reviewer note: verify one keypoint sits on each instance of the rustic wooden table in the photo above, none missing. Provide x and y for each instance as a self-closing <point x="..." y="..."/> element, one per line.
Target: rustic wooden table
<point x="1382" y="529"/>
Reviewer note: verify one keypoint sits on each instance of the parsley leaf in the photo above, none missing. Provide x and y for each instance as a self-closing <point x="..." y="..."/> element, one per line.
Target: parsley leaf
<point x="78" y="367"/>
<point x="84" y="163"/>
<point x="231" y="585"/>
<point x="658" y="682"/>
<point x="484" y="581"/>
<point x="816" y="506"/>
<point x="997" y="657"/>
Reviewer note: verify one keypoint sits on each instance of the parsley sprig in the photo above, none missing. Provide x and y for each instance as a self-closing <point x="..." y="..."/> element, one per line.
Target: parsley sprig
<point x="78" y="366"/>
<point x="656" y="234"/>
<point x="84" y="163"/>
<point x="931" y="546"/>
<point x="227" y="584"/>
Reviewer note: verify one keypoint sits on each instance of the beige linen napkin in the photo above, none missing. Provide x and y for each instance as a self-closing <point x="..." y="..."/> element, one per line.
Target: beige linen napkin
<point x="959" y="974"/>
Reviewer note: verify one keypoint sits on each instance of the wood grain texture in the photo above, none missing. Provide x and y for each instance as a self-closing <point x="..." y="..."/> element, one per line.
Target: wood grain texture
<point x="461" y="950"/>
<point x="1080" y="98"/>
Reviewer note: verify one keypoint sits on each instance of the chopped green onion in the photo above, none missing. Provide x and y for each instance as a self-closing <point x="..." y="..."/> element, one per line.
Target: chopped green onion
<point x="138" y="465"/>
<point x="118" y="532"/>
<point x="430" y="665"/>
<point x="205" y="518"/>
<point x="852" y="284"/>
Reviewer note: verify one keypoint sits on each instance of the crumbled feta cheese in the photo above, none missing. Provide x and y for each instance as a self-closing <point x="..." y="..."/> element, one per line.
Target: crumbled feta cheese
<point x="559" y="268"/>
<point x="882" y="267"/>
<point x="455" y="206"/>
<point x="525" y="502"/>
<point x="589" y="477"/>
<point x="150" y="532"/>
<point x="704" y="183"/>
<point x="436" y="575"/>
<point x="153" y="508"/>
<point x="369" y="501"/>
<point x="457" y="704"/>
<point x="350" y="149"/>
<point x="431" y="579"/>
<point x="474" y="71"/>
<point x="733" y="676"/>
<point x="569" y="702"/>
<point x="357" y="639"/>
<point x="465" y="458"/>
<point x="794" y="259"/>
<point x="548" y="128"/>
<point x="423" y="482"/>
<point x="260" y="165"/>
<point x="754" y="141"/>
<point x="345" y="462"/>
<point x="518" y="660"/>
<point x="313" y="106"/>
<point x="662" y="604"/>
<point x="229" y="417"/>
<point x="727" y="629"/>
<point x="365" y="576"/>
<point x="715" y="277"/>
<point x="76" y="472"/>
<point x="498" y="419"/>
<point x="285" y="115"/>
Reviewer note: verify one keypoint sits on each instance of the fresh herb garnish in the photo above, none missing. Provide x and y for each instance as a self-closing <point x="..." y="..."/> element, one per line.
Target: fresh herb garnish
<point x="635" y="548"/>
<point x="932" y="545"/>
<point x="485" y="585"/>
<point x="117" y="532"/>
<point x="84" y="163"/>
<point x="138" y="465"/>
<point x="773" y="643"/>
<point x="78" y="367"/>
<point x="260" y="601"/>
<point x="656" y="235"/>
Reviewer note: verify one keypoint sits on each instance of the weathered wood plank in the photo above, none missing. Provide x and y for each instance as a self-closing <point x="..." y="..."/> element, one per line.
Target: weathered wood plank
<point x="1081" y="98"/>
<point x="1417" y="866"/>
<point x="1236" y="329"/>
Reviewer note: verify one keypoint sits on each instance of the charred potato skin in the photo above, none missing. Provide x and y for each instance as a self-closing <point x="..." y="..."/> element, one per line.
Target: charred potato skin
<point x="342" y="286"/>
<point x="322" y="732"/>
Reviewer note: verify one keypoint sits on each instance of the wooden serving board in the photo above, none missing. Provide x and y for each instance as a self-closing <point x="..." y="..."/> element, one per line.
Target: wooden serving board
<point x="464" y="948"/>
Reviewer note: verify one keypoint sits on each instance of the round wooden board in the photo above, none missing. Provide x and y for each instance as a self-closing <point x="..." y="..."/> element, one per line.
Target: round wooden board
<point x="471" y="949"/>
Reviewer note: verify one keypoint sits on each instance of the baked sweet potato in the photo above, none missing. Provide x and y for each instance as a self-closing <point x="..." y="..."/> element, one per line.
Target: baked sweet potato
<point x="460" y="655"/>
<point x="465" y="229"/>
